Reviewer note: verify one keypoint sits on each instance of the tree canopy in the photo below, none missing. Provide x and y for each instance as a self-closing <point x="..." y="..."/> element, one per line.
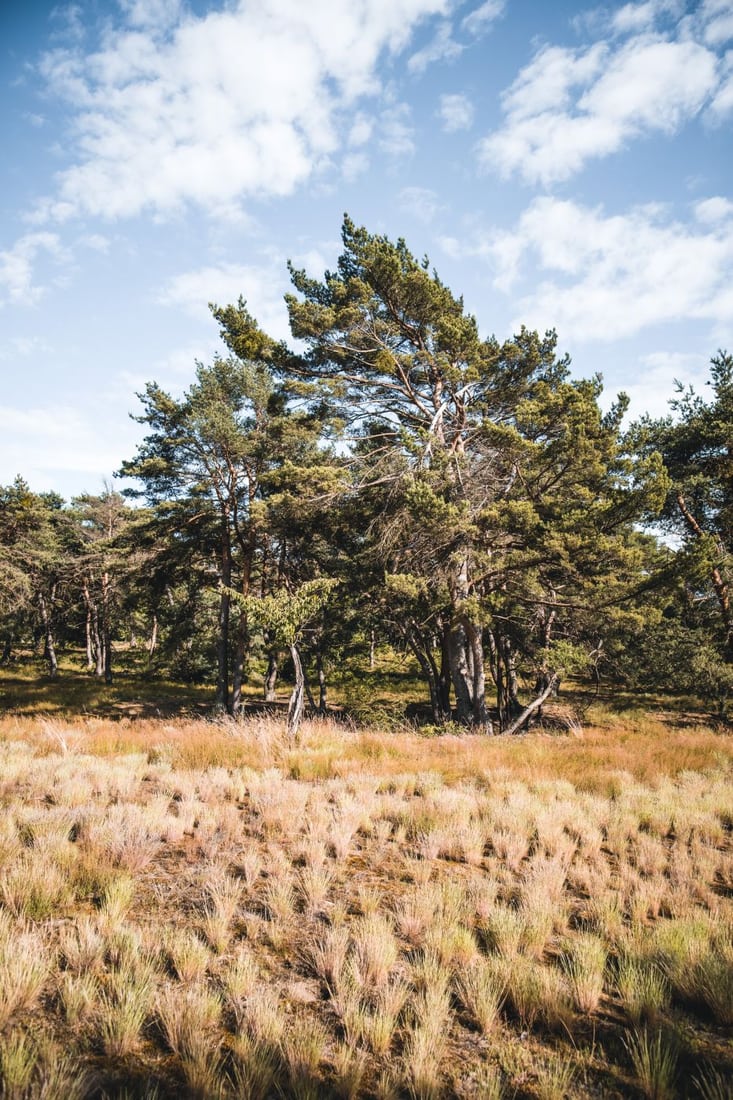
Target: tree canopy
<point x="466" y="499"/>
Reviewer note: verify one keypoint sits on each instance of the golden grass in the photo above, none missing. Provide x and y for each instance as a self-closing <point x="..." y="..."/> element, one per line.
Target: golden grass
<point x="216" y="913"/>
<point x="601" y="760"/>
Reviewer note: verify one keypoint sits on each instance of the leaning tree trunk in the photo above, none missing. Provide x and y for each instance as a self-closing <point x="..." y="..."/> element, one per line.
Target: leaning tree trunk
<point x="297" y="698"/>
<point x="518" y="723"/>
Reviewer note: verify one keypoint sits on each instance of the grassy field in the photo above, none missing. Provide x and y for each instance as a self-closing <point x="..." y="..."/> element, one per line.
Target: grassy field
<point x="196" y="908"/>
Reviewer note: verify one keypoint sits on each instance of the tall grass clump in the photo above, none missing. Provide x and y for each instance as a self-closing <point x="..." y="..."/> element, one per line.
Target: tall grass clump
<point x="654" y="1059"/>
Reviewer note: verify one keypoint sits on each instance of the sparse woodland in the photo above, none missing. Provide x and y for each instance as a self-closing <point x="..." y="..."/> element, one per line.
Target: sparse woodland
<point x="348" y="566"/>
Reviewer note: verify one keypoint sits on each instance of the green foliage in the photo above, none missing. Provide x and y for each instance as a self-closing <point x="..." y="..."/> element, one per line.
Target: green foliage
<point x="483" y="515"/>
<point x="287" y="613"/>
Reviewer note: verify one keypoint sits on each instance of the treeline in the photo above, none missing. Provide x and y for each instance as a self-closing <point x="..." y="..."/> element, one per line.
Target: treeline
<point x="393" y="476"/>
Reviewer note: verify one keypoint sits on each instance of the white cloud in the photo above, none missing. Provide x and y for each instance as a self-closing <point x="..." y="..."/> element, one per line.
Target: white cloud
<point x="608" y="277"/>
<point x="44" y="442"/>
<point x="421" y="202"/>
<point x="262" y="286"/>
<point x="455" y="112"/>
<point x="656" y="70"/>
<point x="155" y="14"/>
<point x="17" y="286"/>
<point x="717" y="18"/>
<point x="361" y="130"/>
<point x="354" y="165"/>
<point x="240" y="102"/>
<point x="20" y="347"/>
<point x="570" y="106"/>
<point x="442" y="47"/>
<point x="395" y="132"/>
<point x="632" y="18"/>
<point x="654" y="380"/>
<point x="478" y="21"/>
<point x="96" y="241"/>
<point x="722" y="103"/>
<point x="713" y="210"/>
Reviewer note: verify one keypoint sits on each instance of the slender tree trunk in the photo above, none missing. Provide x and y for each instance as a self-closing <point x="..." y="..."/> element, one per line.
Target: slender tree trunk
<point x="240" y="663"/>
<point x="271" y="676"/>
<point x="88" y="634"/>
<point x="107" y="627"/>
<point x="153" y="640"/>
<point x="414" y="638"/>
<point x="295" y="706"/>
<point x="322" y="686"/>
<point x="7" y="650"/>
<point x="222" y="643"/>
<point x="536" y="703"/>
<point x="372" y="649"/>
<point x="49" y="644"/>
<point x="444" y="680"/>
<point x="95" y="655"/>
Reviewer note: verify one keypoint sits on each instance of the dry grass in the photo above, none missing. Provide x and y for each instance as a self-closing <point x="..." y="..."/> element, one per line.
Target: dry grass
<point x="368" y="914"/>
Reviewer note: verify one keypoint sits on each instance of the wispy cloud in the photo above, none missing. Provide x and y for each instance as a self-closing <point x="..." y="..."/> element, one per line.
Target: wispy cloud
<point x="18" y="284"/>
<point x="396" y="136"/>
<point x="480" y="20"/>
<point x="455" y="112"/>
<point x="654" y="380"/>
<point x="262" y="286"/>
<point x="442" y="47"/>
<point x="606" y="277"/>
<point x="570" y="106"/>
<point x="420" y="202"/>
<point x="44" y="443"/>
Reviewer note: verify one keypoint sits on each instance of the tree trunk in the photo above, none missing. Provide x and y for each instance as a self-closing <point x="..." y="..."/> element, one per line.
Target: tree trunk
<point x="458" y="661"/>
<point x="271" y="676"/>
<point x="7" y="650"/>
<point x="107" y="627"/>
<point x="88" y="636"/>
<point x="240" y="663"/>
<point x="322" y="686"/>
<point x="372" y="649"/>
<point x="50" y="647"/>
<point x="222" y="642"/>
<point x="153" y="640"/>
<point x="507" y="690"/>
<point x="416" y="641"/>
<point x="476" y="647"/>
<point x="533" y="706"/>
<point x="95" y="656"/>
<point x="444" y="676"/>
<point x="295" y="706"/>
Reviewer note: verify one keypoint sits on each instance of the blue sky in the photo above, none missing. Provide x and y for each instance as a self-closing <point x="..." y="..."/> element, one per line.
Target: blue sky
<point x="561" y="164"/>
